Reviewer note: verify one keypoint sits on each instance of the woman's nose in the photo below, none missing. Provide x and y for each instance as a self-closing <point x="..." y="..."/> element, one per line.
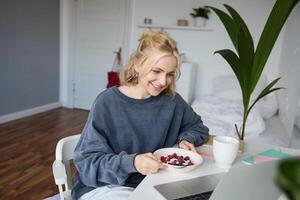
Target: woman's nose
<point x="163" y="80"/>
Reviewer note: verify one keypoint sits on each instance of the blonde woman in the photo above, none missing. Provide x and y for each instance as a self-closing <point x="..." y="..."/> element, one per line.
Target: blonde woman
<point x="127" y="123"/>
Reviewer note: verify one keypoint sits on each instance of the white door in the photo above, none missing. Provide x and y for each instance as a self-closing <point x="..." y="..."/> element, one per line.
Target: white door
<point x="100" y="30"/>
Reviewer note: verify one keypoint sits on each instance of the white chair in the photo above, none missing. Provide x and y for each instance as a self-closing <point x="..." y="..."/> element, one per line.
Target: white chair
<point x="61" y="166"/>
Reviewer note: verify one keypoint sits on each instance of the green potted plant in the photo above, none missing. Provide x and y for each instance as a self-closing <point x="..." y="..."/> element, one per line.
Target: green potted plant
<point x="247" y="62"/>
<point x="288" y="178"/>
<point x="200" y="15"/>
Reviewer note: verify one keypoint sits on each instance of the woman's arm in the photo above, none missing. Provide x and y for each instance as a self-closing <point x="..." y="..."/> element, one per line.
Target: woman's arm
<point x="96" y="161"/>
<point x="192" y="128"/>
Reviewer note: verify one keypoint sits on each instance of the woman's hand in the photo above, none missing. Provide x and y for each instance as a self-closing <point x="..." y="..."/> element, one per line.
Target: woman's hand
<point x="147" y="164"/>
<point x="187" y="146"/>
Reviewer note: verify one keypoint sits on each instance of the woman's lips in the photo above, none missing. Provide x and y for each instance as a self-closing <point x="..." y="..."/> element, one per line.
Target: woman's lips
<point x="156" y="88"/>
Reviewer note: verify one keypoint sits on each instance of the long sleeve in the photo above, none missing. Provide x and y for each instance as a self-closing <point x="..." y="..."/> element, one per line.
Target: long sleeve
<point x="192" y="128"/>
<point x="95" y="160"/>
<point x="119" y="127"/>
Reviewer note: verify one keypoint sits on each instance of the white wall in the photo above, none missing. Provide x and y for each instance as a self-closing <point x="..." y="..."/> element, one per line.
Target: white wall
<point x="289" y="69"/>
<point x="199" y="45"/>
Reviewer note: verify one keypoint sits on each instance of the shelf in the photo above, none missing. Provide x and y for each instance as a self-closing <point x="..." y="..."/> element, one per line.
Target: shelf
<point x="161" y="27"/>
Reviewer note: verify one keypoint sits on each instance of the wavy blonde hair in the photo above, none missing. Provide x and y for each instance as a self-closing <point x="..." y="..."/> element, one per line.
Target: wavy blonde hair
<point x="149" y="43"/>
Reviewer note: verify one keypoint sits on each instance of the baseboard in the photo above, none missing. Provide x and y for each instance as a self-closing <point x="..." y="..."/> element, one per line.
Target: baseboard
<point x="28" y="112"/>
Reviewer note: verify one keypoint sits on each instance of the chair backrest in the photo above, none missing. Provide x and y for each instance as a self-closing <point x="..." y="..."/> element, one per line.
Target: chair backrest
<point x="61" y="166"/>
<point x="65" y="148"/>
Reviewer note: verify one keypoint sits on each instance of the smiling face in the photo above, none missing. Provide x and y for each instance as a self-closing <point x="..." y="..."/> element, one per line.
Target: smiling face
<point x="155" y="79"/>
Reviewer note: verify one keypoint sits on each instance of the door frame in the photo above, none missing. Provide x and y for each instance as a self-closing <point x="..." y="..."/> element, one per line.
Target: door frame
<point x="67" y="31"/>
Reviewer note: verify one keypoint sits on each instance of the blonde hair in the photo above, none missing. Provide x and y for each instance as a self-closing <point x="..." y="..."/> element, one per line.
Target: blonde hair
<point x="152" y="42"/>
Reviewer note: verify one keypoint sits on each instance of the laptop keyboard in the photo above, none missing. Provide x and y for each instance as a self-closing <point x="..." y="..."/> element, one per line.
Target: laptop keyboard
<point x="201" y="196"/>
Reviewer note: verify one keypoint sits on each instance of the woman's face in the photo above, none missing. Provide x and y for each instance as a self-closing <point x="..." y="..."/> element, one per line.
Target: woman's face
<point x="160" y="76"/>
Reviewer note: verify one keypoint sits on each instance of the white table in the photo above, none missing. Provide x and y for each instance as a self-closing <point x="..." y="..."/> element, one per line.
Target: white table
<point x="146" y="190"/>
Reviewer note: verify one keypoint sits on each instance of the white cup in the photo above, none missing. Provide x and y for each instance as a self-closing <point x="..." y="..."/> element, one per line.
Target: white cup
<point x="225" y="149"/>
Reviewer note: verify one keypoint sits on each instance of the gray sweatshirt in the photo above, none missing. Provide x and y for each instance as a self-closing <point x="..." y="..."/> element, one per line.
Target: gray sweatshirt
<point x="119" y="127"/>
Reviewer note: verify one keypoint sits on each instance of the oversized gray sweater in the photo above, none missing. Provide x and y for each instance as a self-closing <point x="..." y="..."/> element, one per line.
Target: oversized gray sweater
<point x="119" y="127"/>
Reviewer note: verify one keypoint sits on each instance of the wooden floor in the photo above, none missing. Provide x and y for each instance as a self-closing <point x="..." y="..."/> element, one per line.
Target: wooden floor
<point x="27" y="149"/>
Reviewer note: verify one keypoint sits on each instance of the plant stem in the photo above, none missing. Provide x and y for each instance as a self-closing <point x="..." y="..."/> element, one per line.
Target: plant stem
<point x="245" y="116"/>
<point x="237" y="131"/>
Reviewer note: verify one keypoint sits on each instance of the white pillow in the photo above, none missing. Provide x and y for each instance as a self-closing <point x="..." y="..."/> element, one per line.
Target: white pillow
<point x="268" y="106"/>
<point x="220" y="115"/>
<point x="232" y="95"/>
<point x="225" y="83"/>
<point x="227" y="87"/>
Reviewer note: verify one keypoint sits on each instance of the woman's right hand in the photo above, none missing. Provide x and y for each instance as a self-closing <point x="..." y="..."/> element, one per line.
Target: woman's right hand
<point x="147" y="164"/>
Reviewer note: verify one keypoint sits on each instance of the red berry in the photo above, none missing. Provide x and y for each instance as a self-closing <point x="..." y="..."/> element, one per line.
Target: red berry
<point x="163" y="159"/>
<point x="190" y="163"/>
<point x="174" y="162"/>
<point x="180" y="159"/>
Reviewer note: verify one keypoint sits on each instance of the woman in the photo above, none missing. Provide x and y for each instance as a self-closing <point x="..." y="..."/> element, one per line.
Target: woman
<point x="128" y="123"/>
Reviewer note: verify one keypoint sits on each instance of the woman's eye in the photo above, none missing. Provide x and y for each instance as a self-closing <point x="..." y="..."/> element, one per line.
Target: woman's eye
<point x="171" y="75"/>
<point x="155" y="71"/>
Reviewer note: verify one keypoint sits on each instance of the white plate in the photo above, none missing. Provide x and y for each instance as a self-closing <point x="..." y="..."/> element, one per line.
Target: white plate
<point x="195" y="158"/>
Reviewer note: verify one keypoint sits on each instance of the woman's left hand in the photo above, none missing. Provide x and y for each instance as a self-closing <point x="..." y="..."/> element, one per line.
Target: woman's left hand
<point x="187" y="145"/>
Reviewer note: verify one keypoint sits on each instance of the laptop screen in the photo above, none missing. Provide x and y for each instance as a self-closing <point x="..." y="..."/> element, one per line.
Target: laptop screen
<point x="203" y="185"/>
<point x="243" y="182"/>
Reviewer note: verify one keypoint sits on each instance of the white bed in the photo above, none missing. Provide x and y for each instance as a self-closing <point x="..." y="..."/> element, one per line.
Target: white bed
<point x="223" y="108"/>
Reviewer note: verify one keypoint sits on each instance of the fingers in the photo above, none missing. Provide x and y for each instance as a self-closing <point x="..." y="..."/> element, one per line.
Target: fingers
<point x="187" y="146"/>
<point x="160" y="164"/>
<point x="182" y="145"/>
<point x="152" y="166"/>
<point x="147" y="164"/>
<point x="152" y="156"/>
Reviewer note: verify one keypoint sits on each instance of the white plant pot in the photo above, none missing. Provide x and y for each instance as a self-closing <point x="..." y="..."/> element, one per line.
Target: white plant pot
<point x="199" y="22"/>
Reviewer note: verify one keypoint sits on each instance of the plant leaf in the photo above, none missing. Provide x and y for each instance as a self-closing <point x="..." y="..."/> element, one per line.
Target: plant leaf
<point x="239" y="20"/>
<point x="233" y="61"/>
<point x="268" y="87"/>
<point x="276" y="20"/>
<point x="245" y="48"/>
<point x="246" y="59"/>
<point x="267" y="90"/>
<point x="230" y="25"/>
<point x="260" y="97"/>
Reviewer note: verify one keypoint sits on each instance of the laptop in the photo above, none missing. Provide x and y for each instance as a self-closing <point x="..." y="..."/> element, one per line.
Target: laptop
<point x="244" y="182"/>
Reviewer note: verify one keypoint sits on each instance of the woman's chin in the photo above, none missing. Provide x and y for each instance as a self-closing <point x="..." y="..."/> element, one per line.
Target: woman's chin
<point x="154" y="92"/>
